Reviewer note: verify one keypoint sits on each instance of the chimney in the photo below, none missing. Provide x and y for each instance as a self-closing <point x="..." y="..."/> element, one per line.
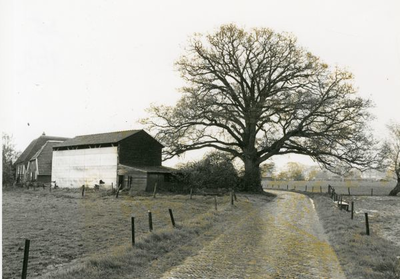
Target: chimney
<point x="43" y="134"/>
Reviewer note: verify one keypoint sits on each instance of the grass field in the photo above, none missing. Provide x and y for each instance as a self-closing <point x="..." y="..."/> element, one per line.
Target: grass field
<point x="357" y="188"/>
<point x="67" y="230"/>
<point x="375" y="256"/>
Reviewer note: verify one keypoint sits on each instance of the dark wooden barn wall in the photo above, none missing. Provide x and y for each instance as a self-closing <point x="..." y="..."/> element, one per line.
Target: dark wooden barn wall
<point x="140" y="150"/>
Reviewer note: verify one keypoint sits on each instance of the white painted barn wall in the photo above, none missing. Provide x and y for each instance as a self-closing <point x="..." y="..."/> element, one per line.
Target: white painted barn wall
<point x="74" y="168"/>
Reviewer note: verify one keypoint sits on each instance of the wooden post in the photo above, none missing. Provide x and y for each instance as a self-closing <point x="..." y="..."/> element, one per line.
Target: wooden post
<point x="287" y="187"/>
<point x="215" y="203"/>
<point x="329" y="189"/>
<point x="112" y="187"/>
<point x="234" y="195"/>
<point x="191" y="193"/>
<point x="348" y="190"/>
<point x="83" y="190"/>
<point x="312" y="189"/>
<point x="150" y="222"/>
<point x="294" y="187"/>
<point x="306" y="188"/>
<point x="133" y="230"/>
<point x="366" y="223"/>
<point x="172" y="218"/>
<point x="320" y="189"/>
<point x="372" y="192"/>
<point x="352" y="210"/>
<point x="119" y="188"/>
<point x="231" y="197"/>
<point x="155" y="190"/>
<point x="50" y="187"/>
<point x="26" y="257"/>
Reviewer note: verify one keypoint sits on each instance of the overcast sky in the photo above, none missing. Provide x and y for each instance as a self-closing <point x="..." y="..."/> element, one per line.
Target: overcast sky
<point x="73" y="67"/>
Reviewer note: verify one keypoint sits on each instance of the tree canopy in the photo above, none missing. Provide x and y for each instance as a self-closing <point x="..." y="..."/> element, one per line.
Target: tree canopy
<point x="9" y="155"/>
<point x="257" y="94"/>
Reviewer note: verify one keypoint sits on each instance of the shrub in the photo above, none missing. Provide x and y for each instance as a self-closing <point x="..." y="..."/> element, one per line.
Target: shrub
<point x="214" y="171"/>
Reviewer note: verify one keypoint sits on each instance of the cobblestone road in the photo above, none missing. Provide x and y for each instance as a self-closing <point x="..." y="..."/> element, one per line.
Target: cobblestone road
<point x="279" y="239"/>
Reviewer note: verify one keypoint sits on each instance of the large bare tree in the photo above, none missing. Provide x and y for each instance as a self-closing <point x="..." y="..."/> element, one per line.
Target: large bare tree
<point x="257" y="94"/>
<point x="391" y="154"/>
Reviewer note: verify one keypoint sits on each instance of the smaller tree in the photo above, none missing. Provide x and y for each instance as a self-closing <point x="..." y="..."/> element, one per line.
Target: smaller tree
<point x="267" y="169"/>
<point x="312" y="172"/>
<point x="9" y="156"/>
<point x="391" y="154"/>
<point x="292" y="171"/>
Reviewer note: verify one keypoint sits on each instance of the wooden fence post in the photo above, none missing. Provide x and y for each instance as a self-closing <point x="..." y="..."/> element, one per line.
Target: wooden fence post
<point x="26" y="257"/>
<point x="83" y="190"/>
<point x="352" y="210"/>
<point x="133" y="230"/>
<point x="215" y="203"/>
<point x="348" y="190"/>
<point x="150" y="222"/>
<point x="372" y="192"/>
<point x="234" y="196"/>
<point x="119" y="188"/>
<point x="191" y="193"/>
<point x="306" y="188"/>
<point x="320" y="189"/>
<point x="366" y="223"/>
<point x="155" y="190"/>
<point x="231" y="197"/>
<point x="172" y="217"/>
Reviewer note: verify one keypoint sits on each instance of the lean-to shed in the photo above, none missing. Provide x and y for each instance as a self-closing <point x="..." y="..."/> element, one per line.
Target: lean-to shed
<point x="131" y="159"/>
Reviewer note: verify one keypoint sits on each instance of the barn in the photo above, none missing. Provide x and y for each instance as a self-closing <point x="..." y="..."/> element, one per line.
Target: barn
<point x="34" y="164"/>
<point x="131" y="159"/>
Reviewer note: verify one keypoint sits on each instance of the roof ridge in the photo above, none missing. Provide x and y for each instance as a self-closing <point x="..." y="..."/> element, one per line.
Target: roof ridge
<point x="132" y="130"/>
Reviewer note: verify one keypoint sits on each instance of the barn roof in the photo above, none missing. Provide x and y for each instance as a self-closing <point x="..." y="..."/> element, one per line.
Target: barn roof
<point x="35" y="146"/>
<point x="104" y="138"/>
<point x="44" y="156"/>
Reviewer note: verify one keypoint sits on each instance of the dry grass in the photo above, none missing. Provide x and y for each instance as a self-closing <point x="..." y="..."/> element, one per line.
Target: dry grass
<point x="359" y="188"/>
<point x="361" y="256"/>
<point x="75" y="237"/>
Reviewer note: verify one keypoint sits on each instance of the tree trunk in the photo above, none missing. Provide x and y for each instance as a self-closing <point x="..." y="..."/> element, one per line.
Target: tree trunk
<point x="252" y="177"/>
<point x="396" y="189"/>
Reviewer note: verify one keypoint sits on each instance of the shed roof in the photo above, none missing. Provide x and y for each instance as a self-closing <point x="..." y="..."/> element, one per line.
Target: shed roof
<point x="35" y="146"/>
<point x="124" y="169"/>
<point x="104" y="138"/>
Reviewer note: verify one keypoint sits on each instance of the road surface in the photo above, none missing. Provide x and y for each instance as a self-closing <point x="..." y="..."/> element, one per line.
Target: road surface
<point x="279" y="239"/>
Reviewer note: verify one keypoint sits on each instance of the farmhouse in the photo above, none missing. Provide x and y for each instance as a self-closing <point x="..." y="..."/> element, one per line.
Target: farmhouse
<point x="34" y="164"/>
<point x="131" y="159"/>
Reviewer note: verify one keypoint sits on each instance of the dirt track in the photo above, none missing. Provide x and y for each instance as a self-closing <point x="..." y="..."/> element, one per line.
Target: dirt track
<point x="282" y="239"/>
